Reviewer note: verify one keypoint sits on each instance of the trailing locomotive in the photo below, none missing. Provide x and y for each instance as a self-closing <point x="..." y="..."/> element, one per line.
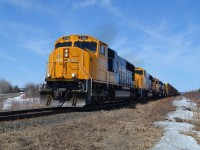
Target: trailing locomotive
<point x="83" y="71"/>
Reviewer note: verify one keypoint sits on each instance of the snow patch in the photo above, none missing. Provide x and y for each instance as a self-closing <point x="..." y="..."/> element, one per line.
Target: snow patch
<point x="173" y="138"/>
<point x="184" y="103"/>
<point x="175" y="126"/>
<point x="20" y="102"/>
<point x="181" y="114"/>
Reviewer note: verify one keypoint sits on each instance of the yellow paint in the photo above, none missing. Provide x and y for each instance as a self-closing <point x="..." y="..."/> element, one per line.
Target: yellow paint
<point x="140" y="79"/>
<point x="102" y="63"/>
<point x="85" y="64"/>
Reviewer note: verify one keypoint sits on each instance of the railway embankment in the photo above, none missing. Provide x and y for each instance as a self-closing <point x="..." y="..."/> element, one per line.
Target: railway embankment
<point x="124" y="128"/>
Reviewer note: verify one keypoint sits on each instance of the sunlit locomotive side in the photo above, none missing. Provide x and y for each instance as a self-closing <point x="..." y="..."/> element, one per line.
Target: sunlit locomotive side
<point x="142" y="84"/>
<point x="82" y="70"/>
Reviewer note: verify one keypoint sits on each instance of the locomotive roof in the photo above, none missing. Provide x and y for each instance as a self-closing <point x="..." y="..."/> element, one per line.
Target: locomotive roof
<point x="78" y="37"/>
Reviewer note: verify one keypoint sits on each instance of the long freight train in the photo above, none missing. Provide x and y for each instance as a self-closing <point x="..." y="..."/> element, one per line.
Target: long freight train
<point x="84" y="71"/>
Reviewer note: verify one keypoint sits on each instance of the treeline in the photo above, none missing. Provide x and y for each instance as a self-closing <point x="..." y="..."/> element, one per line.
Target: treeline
<point x="193" y="91"/>
<point x="6" y="87"/>
<point x="31" y="90"/>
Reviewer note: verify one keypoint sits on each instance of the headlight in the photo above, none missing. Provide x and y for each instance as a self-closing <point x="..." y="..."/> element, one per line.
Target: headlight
<point x="66" y="50"/>
<point x="66" y="55"/>
<point x="73" y="75"/>
<point x="48" y="75"/>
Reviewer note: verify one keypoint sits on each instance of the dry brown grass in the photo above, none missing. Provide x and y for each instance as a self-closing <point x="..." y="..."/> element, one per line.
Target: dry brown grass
<point x="194" y="135"/>
<point x="109" y="130"/>
<point x="195" y="97"/>
<point x="196" y="120"/>
<point x="196" y="123"/>
<point x="177" y="119"/>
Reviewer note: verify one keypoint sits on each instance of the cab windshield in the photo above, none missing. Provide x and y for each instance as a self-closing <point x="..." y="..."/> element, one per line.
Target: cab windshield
<point x="63" y="44"/>
<point x="140" y="72"/>
<point x="88" y="46"/>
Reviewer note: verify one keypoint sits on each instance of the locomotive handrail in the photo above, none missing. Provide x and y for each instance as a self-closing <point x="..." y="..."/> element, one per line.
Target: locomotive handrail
<point x="84" y="76"/>
<point x="88" y="75"/>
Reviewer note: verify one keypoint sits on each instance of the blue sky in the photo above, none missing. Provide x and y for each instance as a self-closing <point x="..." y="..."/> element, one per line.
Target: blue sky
<point x="162" y="36"/>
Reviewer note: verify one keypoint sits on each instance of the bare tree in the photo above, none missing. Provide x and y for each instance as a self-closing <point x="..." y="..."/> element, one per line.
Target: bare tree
<point x="6" y="87"/>
<point x="32" y="90"/>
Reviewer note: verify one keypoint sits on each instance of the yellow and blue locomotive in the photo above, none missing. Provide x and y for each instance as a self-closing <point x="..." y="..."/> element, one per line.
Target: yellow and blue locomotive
<point x="83" y="71"/>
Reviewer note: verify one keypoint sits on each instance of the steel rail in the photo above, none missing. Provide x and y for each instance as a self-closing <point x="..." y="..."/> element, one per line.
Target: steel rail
<point x="31" y="113"/>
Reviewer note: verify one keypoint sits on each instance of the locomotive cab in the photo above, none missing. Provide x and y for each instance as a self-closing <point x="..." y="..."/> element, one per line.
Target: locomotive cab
<point x="142" y="83"/>
<point x="82" y="71"/>
<point x="70" y="71"/>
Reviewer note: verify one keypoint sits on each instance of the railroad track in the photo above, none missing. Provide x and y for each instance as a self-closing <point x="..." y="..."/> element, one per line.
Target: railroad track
<point x="31" y="113"/>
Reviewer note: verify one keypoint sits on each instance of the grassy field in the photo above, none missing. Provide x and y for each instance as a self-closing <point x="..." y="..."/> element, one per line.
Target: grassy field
<point x="125" y="128"/>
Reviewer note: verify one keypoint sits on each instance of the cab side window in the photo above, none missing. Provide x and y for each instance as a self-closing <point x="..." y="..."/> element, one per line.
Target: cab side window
<point x="103" y="50"/>
<point x="145" y="73"/>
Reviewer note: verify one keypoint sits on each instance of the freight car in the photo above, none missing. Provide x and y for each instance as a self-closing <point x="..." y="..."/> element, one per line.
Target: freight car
<point x="82" y="70"/>
<point x="170" y="90"/>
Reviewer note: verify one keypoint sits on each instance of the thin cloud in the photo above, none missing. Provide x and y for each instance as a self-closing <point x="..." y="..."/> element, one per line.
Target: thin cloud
<point x="134" y="23"/>
<point x="39" y="46"/>
<point x="161" y="47"/>
<point x="88" y="3"/>
<point x="5" y="56"/>
<point x="169" y="50"/>
<point x="110" y="6"/>
<point x="19" y="29"/>
<point x="83" y="4"/>
<point x="27" y="71"/>
<point x="121" y="43"/>
<point x="31" y="5"/>
<point x="21" y="3"/>
<point x="30" y="38"/>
